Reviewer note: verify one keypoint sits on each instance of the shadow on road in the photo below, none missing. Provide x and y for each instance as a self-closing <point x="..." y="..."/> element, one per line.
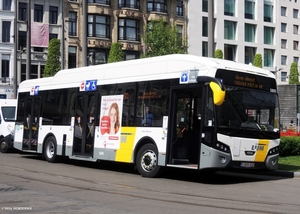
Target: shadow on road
<point x="218" y="178"/>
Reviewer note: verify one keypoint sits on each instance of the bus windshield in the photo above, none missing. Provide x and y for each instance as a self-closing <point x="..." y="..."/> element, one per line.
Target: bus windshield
<point x="247" y="112"/>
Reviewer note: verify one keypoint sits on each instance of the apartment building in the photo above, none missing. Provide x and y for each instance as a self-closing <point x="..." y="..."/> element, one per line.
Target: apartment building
<point x="243" y="28"/>
<point x="108" y="21"/>
<point x="45" y="23"/>
<point x="6" y="49"/>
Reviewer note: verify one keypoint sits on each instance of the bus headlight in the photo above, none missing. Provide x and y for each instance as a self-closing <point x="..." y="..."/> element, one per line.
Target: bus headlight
<point x="222" y="147"/>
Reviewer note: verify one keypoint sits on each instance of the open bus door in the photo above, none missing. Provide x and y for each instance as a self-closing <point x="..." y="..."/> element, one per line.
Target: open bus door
<point x="185" y="126"/>
<point x="31" y="123"/>
<point x="84" y="126"/>
<point x="192" y="121"/>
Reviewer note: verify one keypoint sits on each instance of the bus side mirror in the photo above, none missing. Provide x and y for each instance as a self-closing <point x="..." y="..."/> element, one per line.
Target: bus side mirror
<point x="218" y="93"/>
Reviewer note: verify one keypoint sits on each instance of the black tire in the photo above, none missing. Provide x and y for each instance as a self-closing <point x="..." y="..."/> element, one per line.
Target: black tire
<point x="50" y="150"/>
<point x="147" y="161"/>
<point x="4" y="146"/>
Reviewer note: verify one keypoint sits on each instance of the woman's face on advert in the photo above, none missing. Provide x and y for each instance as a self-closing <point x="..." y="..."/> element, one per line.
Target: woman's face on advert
<point x="113" y="115"/>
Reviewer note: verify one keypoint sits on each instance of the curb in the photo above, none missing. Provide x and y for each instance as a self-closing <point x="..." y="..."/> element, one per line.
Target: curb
<point x="288" y="174"/>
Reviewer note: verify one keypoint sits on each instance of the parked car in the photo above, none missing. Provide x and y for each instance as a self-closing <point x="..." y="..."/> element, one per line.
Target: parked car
<point x="7" y="121"/>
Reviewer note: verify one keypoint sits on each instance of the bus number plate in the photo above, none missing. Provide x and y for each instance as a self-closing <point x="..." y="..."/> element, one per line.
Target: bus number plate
<point x="247" y="165"/>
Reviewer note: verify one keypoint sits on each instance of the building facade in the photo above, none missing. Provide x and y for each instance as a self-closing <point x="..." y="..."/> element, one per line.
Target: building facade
<point x="109" y="21"/>
<point x="243" y="28"/>
<point x="7" y="49"/>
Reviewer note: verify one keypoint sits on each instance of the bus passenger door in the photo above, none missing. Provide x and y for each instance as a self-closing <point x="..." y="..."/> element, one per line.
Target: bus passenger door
<point x="84" y="128"/>
<point x="31" y="123"/>
<point x="184" y="125"/>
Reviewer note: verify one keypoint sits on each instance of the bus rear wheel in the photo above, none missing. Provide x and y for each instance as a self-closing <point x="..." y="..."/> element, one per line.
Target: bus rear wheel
<point x="50" y="150"/>
<point x="147" y="161"/>
<point x="3" y="146"/>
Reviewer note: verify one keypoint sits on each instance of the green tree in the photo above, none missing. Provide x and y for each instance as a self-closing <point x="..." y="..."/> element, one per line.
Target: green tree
<point x="52" y="64"/>
<point x="218" y="54"/>
<point x="257" y="60"/>
<point x="293" y="79"/>
<point x="115" y="53"/>
<point x="162" y="38"/>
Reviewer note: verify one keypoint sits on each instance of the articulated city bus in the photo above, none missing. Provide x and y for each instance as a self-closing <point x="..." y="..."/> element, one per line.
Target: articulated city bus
<point x="179" y="111"/>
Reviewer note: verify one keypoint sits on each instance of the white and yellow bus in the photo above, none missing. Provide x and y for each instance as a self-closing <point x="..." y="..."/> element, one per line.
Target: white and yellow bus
<point x="170" y="111"/>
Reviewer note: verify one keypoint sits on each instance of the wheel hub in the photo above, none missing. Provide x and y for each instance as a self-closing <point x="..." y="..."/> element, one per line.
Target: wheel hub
<point x="149" y="161"/>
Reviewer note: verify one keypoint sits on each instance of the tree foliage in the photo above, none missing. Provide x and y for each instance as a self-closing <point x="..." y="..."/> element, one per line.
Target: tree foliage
<point x="115" y="53"/>
<point x="163" y="38"/>
<point x="293" y="79"/>
<point x="257" y="60"/>
<point x="218" y="54"/>
<point x="53" y="59"/>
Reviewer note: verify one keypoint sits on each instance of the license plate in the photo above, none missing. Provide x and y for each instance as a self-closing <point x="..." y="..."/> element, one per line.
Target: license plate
<point x="247" y="165"/>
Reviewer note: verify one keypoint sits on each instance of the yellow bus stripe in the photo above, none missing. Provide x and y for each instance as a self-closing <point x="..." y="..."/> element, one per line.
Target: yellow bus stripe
<point x="124" y="153"/>
<point x="262" y="150"/>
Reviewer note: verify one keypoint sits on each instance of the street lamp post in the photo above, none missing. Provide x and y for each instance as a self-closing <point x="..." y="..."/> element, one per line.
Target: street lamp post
<point x="280" y="69"/>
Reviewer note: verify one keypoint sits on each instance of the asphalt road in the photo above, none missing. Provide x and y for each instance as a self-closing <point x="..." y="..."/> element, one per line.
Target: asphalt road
<point x="28" y="184"/>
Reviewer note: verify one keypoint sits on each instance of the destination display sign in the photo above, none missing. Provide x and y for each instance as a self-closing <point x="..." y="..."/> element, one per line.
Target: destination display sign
<point x="242" y="79"/>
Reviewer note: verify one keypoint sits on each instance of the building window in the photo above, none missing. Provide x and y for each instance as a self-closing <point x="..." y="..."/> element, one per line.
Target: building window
<point x="268" y="12"/>
<point x="22" y="40"/>
<point x="283" y="43"/>
<point x="204" y="48"/>
<point x="38" y="49"/>
<point x="6" y="31"/>
<point x="130" y="55"/>
<point x="295" y="29"/>
<point x="296" y="59"/>
<point x="283" y="60"/>
<point x="179" y="8"/>
<point x="283" y="27"/>
<point x="230" y="52"/>
<point x="22" y="11"/>
<point x="5" y="67"/>
<point x="98" y="26"/>
<point x="72" y="23"/>
<point x="283" y="11"/>
<point x="204" y="26"/>
<point x="52" y="36"/>
<point x="129" y="4"/>
<point x="249" y="9"/>
<point x="204" y="6"/>
<point x="250" y="33"/>
<point x="23" y="72"/>
<point x="72" y="63"/>
<point x="229" y="30"/>
<point x="34" y="69"/>
<point x="179" y="30"/>
<point x="229" y="7"/>
<point x="268" y="58"/>
<point x="105" y="2"/>
<point x="97" y="56"/>
<point x="157" y="6"/>
<point x="129" y="29"/>
<point x="249" y="54"/>
<point x="268" y="35"/>
<point x="38" y="13"/>
<point x="6" y="5"/>
<point x="296" y="45"/>
<point x="53" y="14"/>
<point x="295" y="13"/>
<point x="283" y="76"/>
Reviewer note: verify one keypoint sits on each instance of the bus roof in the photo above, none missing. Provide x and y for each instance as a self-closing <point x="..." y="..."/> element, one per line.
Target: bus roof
<point x="160" y="67"/>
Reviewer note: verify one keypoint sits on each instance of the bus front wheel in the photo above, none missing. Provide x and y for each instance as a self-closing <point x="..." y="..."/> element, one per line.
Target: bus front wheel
<point x="50" y="150"/>
<point x="147" y="161"/>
